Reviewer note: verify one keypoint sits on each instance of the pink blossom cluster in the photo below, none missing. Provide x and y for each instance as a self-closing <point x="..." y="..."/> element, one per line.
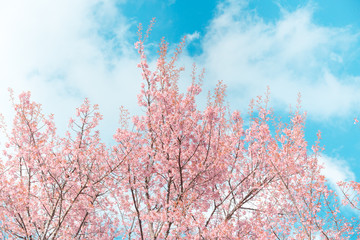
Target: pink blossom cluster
<point x="175" y="172"/>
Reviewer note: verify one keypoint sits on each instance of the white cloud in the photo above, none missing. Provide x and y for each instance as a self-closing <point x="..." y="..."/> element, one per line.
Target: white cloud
<point x="56" y="50"/>
<point x="191" y="37"/>
<point x="336" y="170"/>
<point x="291" y="55"/>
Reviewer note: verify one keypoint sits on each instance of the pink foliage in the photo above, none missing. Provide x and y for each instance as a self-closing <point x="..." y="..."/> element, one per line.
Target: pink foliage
<point x="205" y="175"/>
<point x="52" y="187"/>
<point x="178" y="173"/>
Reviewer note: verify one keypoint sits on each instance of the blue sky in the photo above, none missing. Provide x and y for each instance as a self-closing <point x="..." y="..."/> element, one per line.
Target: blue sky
<point x="63" y="51"/>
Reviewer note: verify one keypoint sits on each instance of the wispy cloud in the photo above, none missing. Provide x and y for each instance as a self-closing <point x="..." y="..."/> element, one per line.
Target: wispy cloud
<point x="64" y="51"/>
<point x="291" y="55"/>
<point x="336" y="170"/>
<point x="193" y="36"/>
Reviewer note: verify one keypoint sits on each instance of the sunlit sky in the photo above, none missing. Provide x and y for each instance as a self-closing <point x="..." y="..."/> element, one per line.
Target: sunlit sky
<point x="64" y="51"/>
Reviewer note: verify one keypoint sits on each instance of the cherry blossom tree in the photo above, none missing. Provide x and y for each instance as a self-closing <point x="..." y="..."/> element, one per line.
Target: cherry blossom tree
<point x="52" y="187"/>
<point x="208" y="175"/>
<point x="175" y="172"/>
